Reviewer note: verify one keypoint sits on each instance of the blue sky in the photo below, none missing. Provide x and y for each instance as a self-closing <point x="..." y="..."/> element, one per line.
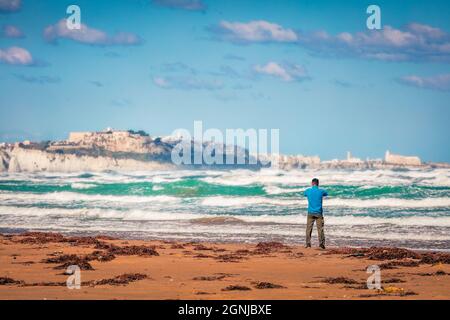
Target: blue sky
<point x="309" y="68"/>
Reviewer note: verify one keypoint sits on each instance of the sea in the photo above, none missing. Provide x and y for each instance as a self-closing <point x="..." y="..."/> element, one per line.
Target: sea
<point x="404" y="208"/>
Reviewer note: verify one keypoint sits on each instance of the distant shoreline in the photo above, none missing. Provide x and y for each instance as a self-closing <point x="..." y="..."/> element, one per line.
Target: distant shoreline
<point x="136" y="150"/>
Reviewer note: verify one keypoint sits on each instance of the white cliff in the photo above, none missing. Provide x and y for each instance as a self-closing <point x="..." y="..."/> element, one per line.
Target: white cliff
<point x="29" y="160"/>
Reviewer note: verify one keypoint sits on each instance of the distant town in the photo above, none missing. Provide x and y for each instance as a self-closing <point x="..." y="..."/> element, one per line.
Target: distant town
<point x="137" y="150"/>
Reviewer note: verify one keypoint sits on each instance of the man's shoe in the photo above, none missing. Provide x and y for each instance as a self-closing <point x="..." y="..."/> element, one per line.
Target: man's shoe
<point x="308" y="246"/>
<point x="322" y="247"/>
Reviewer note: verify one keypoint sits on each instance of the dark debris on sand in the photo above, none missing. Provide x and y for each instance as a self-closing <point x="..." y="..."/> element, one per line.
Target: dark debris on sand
<point x="236" y="288"/>
<point x="66" y="260"/>
<point x="122" y="279"/>
<point x="396" y="264"/>
<point x="268" y="247"/>
<point x="105" y="251"/>
<point x="127" y="250"/>
<point x="111" y="249"/>
<point x="341" y="280"/>
<point x="267" y="285"/>
<point x="45" y="284"/>
<point x="381" y="293"/>
<point x="202" y="247"/>
<point x="435" y="257"/>
<point x="398" y="257"/>
<point x="202" y="256"/>
<point x="209" y="278"/>
<point x="102" y="256"/>
<point x="4" y="281"/>
<point x="393" y="280"/>
<point x="437" y="273"/>
<point x="48" y="237"/>
<point x="203" y="293"/>
<point x="177" y="246"/>
<point x="377" y="253"/>
<point x="229" y="258"/>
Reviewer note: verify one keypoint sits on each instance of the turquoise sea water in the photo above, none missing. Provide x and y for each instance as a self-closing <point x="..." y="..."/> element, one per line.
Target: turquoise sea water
<point x="409" y="208"/>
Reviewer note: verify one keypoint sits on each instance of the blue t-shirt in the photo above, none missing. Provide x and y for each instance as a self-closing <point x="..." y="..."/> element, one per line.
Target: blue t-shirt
<point x="315" y="195"/>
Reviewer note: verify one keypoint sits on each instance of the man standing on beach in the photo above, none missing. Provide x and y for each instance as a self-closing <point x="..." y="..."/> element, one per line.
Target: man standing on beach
<point x="315" y="212"/>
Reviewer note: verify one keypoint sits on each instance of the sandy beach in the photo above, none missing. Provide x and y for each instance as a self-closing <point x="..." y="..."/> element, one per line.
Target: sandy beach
<point x="33" y="267"/>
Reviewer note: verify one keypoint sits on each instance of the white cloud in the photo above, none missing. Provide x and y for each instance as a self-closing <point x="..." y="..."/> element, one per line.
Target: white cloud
<point x="16" y="56"/>
<point x="161" y="82"/>
<point x="10" y="5"/>
<point x="255" y="31"/>
<point x="439" y="82"/>
<point x="88" y="35"/>
<point x="285" y="72"/>
<point x="413" y="42"/>
<point x="10" y="31"/>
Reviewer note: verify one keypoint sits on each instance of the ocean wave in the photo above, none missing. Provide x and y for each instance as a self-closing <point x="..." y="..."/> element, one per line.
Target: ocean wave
<point x="332" y="202"/>
<point x="435" y="177"/>
<point x="61" y="197"/>
<point x="297" y="219"/>
<point x="217" y="220"/>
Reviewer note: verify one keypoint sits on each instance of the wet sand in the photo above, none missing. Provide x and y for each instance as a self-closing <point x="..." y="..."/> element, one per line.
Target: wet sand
<point x="32" y="266"/>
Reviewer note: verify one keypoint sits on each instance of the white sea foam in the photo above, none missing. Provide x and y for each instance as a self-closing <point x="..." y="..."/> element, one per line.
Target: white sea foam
<point x="62" y="197"/>
<point x="241" y="177"/>
<point x="436" y="177"/>
<point x="147" y="215"/>
<point x="332" y="202"/>
<point x="277" y="190"/>
<point x="221" y="201"/>
<point x="82" y="185"/>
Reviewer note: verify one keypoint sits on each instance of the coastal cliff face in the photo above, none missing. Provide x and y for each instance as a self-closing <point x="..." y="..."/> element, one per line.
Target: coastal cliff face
<point x="28" y="160"/>
<point x="100" y="151"/>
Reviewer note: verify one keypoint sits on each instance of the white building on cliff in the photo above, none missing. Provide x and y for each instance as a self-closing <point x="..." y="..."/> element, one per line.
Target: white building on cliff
<point x="396" y="159"/>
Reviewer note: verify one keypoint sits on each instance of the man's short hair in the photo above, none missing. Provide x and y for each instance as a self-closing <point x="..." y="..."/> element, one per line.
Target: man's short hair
<point x="315" y="181"/>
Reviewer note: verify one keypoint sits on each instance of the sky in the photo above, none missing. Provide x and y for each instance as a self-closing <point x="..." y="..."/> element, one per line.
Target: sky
<point x="310" y="68"/>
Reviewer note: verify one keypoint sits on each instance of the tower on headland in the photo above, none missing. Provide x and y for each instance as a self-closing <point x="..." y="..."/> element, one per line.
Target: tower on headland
<point x="351" y="159"/>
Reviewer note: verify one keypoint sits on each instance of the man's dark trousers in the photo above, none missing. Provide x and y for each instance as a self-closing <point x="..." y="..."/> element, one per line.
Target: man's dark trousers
<point x="309" y="227"/>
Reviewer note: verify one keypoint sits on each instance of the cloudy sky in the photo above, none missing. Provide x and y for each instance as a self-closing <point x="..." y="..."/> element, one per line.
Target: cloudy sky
<point x="309" y="68"/>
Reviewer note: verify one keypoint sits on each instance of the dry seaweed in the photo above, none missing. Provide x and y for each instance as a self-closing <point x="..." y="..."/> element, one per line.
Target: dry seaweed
<point x="4" y="281"/>
<point x="396" y="264"/>
<point x="268" y="285"/>
<point x="343" y="280"/>
<point x="267" y="247"/>
<point x="122" y="279"/>
<point x="67" y="260"/>
<point x="236" y="288"/>
<point x="229" y="258"/>
<point x="209" y="278"/>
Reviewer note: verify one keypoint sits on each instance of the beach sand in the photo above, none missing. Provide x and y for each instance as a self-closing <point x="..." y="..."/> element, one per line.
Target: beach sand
<point x="32" y="266"/>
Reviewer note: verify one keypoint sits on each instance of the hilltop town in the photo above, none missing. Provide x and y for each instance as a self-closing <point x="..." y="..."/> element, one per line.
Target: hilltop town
<point x="137" y="150"/>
